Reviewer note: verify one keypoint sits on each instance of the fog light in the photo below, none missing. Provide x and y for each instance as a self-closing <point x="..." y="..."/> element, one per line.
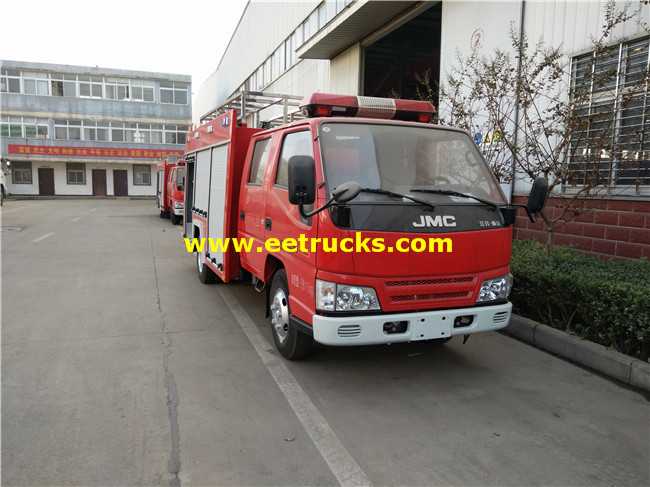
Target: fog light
<point x="462" y="321"/>
<point x="391" y="327"/>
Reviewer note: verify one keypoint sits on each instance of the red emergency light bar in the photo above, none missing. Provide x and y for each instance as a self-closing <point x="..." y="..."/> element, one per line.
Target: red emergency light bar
<point x="328" y="105"/>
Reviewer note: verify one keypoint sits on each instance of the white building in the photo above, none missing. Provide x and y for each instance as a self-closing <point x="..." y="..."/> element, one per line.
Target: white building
<point x="374" y="48"/>
<point x="88" y="131"/>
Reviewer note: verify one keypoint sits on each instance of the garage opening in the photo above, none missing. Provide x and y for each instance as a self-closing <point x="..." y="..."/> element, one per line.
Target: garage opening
<point x="391" y="63"/>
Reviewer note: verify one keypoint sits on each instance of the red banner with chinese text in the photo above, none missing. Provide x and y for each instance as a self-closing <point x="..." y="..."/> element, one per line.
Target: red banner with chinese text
<point x="58" y="151"/>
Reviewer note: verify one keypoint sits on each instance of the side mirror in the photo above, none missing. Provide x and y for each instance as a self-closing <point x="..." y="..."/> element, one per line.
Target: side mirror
<point x="302" y="180"/>
<point x="536" y="202"/>
<point x="537" y="197"/>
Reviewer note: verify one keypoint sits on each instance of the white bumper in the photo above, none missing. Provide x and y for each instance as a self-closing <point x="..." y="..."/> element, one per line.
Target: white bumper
<point x="426" y="325"/>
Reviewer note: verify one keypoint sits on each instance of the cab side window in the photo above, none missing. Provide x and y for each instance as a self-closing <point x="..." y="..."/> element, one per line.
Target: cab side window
<point x="258" y="164"/>
<point x="294" y="144"/>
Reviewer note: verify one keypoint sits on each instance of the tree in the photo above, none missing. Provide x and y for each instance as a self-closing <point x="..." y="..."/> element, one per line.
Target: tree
<point x="544" y="113"/>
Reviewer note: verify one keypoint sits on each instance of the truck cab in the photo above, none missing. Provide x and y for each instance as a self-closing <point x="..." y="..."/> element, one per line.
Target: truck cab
<point x="176" y="192"/>
<point x="171" y="188"/>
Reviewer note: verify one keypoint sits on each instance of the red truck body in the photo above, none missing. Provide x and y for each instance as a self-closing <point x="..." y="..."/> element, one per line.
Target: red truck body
<point x="171" y="187"/>
<point x="409" y="256"/>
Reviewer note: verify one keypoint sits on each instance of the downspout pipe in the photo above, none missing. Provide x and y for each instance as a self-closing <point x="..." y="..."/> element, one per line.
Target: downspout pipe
<point x="519" y="66"/>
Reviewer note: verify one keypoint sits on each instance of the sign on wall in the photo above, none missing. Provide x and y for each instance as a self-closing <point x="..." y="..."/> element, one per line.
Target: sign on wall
<point x="59" y="151"/>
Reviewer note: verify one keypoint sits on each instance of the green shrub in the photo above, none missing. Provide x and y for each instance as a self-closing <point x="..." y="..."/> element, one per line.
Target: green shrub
<point x="606" y="302"/>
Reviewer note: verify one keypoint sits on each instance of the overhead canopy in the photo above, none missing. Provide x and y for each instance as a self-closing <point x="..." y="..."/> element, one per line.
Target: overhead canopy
<point x="354" y="25"/>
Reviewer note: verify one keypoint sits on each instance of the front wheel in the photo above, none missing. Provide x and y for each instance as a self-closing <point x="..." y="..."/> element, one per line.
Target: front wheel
<point x="291" y="343"/>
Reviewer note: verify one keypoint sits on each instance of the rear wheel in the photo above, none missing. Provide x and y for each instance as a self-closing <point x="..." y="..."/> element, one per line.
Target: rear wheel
<point x="206" y="276"/>
<point x="291" y="343"/>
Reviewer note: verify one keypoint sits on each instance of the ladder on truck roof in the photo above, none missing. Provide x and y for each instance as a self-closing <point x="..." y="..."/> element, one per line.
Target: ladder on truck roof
<point x="252" y="103"/>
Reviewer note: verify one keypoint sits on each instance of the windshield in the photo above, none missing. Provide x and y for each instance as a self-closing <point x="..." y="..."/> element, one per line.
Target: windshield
<point x="428" y="163"/>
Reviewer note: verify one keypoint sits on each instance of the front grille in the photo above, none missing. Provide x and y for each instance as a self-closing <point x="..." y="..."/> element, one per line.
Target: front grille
<point x="422" y="297"/>
<point x="430" y="282"/>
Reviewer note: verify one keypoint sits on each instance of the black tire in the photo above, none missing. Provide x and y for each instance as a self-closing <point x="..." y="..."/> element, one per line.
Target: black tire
<point x="175" y="218"/>
<point x="163" y="214"/>
<point x="290" y="342"/>
<point x="206" y="276"/>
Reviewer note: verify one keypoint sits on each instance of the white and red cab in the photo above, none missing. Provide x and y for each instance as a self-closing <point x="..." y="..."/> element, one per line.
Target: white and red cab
<point x="373" y="179"/>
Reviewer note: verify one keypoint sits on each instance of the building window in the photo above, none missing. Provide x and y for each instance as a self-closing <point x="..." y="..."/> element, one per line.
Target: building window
<point x="117" y="88"/>
<point x="9" y="81"/>
<point x="67" y="129"/>
<point x="96" y="131"/>
<point x="29" y="128"/>
<point x="84" y="86"/>
<point x="612" y="147"/>
<point x="35" y="128"/>
<point x="172" y="92"/>
<point x="76" y="172"/>
<point x="90" y="86"/>
<point x="175" y="134"/>
<point x="142" y="90"/>
<point x="141" y="175"/>
<point x="36" y="83"/>
<point x="21" y="172"/>
<point x="11" y="127"/>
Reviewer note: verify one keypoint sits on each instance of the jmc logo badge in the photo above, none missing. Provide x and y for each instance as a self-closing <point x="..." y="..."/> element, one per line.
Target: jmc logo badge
<point x="438" y="221"/>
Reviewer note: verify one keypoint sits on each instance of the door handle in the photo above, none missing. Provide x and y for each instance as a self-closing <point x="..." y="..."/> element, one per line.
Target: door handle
<point x="267" y="223"/>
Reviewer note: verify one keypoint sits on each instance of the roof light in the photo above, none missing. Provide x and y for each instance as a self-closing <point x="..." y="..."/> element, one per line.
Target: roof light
<point x="322" y="111"/>
<point x="326" y="105"/>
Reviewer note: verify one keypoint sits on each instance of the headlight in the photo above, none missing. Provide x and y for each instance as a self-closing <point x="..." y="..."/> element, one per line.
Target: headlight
<point x="178" y="205"/>
<point x="495" y="289"/>
<point x="331" y="296"/>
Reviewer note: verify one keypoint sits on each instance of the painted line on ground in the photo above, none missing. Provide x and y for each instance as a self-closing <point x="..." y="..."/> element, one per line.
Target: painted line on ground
<point x="43" y="237"/>
<point x="343" y="466"/>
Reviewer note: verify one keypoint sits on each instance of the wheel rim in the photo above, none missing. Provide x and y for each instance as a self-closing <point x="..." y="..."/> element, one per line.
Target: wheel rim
<point x="199" y="262"/>
<point x="280" y="315"/>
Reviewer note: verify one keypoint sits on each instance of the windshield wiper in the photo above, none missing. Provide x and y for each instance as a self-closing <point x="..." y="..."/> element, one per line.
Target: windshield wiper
<point x="450" y="192"/>
<point x="385" y="192"/>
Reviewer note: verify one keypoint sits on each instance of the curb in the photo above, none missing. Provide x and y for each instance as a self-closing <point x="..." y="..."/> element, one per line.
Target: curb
<point x="624" y="368"/>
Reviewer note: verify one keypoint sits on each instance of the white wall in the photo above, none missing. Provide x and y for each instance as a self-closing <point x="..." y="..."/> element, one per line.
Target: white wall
<point x="573" y="24"/>
<point x="345" y="72"/>
<point x="62" y="188"/>
<point x="569" y="25"/>
<point x="261" y="30"/>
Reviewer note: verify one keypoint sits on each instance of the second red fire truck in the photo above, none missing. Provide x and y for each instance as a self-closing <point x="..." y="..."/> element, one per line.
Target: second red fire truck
<point x="362" y="223"/>
<point x="171" y="187"/>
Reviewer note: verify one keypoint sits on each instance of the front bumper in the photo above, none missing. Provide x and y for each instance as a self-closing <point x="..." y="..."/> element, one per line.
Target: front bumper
<point x="425" y="325"/>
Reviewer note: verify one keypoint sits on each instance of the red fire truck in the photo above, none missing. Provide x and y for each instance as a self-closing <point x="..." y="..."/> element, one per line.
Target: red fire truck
<point x="171" y="187"/>
<point x="365" y="223"/>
